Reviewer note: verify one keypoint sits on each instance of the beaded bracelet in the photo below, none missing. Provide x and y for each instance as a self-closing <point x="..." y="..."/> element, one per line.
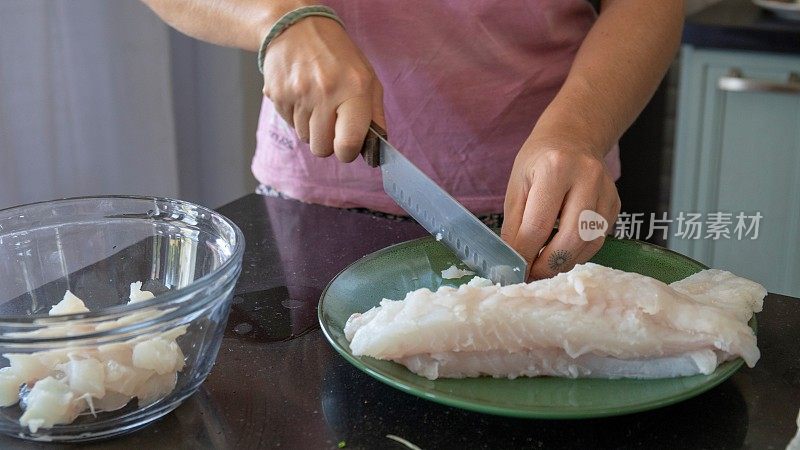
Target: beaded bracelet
<point x="290" y="19"/>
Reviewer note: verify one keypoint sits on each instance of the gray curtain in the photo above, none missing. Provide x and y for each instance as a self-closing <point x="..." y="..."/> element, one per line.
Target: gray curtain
<point x="100" y="97"/>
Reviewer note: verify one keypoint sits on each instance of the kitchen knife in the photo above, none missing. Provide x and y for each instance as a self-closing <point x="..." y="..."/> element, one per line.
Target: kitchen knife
<point x="477" y="245"/>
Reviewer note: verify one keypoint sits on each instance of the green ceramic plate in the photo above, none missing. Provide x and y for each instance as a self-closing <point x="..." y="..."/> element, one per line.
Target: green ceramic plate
<point x="396" y="270"/>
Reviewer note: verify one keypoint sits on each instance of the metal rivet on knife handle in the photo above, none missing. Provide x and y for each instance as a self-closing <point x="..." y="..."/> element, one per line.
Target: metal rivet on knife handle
<point x="371" y="150"/>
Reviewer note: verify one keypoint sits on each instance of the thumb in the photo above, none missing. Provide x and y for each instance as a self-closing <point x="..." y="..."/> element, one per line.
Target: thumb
<point x="517" y="192"/>
<point x="513" y="207"/>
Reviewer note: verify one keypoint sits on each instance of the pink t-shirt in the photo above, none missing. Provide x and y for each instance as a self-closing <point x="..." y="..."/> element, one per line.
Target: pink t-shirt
<point x="464" y="83"/>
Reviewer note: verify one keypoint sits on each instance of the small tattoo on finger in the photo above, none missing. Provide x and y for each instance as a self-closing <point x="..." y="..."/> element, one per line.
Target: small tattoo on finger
<point x="559" y="259"/>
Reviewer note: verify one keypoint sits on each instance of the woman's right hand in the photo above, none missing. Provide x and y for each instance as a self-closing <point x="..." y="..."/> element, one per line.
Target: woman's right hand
<point x="323" y="86"/>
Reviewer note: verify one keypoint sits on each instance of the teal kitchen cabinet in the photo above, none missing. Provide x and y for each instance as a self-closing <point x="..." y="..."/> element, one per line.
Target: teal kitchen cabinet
<point x="738" y="151"/>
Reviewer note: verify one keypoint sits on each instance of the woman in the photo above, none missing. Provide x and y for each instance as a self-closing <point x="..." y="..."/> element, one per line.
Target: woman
<point x="514" y="107"/>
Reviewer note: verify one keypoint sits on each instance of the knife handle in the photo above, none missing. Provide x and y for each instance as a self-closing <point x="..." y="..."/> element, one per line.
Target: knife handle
<point x="371" y="150"/>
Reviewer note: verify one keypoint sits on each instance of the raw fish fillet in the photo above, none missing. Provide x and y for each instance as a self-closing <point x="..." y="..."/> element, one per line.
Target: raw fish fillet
<point x="592" y="321"/>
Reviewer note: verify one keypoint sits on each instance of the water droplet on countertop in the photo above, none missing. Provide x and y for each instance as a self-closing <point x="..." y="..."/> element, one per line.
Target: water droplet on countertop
<point x="277" y="314"/>
<point x="243" y="328"/>
<point x="291" y="303"/>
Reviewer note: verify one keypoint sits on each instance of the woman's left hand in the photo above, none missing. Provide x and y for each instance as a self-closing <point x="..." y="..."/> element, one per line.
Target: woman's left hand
<point x="556" y="179"/>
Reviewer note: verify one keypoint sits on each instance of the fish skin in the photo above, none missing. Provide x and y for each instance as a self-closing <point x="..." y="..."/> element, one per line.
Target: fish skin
<point x="591" y="310"/>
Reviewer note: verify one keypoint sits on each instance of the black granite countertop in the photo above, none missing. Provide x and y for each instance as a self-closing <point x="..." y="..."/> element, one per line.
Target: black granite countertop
<point x="277" y="382"/>
<point x="741" y="25"/>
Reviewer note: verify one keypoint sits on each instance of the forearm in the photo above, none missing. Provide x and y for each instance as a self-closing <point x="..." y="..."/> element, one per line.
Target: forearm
<point x="231" y="23"/>
<point x="615" y="73"/>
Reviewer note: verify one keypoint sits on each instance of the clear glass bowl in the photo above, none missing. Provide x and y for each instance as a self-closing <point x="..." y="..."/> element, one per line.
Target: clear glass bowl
<point x="187" y="255"/>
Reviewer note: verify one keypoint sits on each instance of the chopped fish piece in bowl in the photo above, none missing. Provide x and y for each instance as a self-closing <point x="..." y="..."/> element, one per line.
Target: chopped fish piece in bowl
<point x="88" y="352"/>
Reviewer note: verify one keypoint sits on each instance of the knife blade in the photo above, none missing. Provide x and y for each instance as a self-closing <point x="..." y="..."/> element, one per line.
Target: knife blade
<point x="480" y="248"/>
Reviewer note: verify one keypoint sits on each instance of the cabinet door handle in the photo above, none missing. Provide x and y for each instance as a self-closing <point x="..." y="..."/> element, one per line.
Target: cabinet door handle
<point x="736" y="82"/>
